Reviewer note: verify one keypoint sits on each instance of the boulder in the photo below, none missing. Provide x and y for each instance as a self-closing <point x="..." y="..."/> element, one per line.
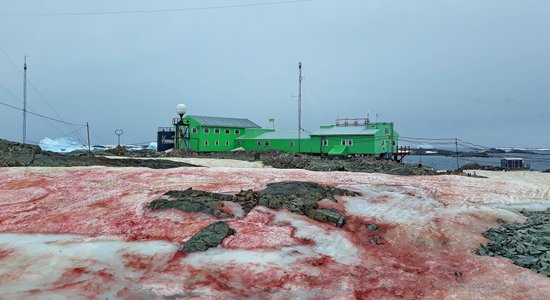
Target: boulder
<point x="327" y="216"/>
<point x="193" y="201"/>
<point x="298" y="197"/>
<point x="208" y="237"/>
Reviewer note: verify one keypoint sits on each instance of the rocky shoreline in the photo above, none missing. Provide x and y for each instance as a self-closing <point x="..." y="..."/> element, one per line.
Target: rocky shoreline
<point x="14" y="154"/>
<point x="527" y="244"/>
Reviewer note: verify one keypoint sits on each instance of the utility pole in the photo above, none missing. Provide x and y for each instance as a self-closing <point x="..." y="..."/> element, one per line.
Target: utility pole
<point x="456" y="152"/>
<point x="25" y="101"/>
<point x="300" y="78"/>
<point x="88" y="131"/>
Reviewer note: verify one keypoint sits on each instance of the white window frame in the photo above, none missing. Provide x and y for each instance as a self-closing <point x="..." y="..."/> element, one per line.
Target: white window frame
<point x="194" y="130"/>
<point x="227" y="143"/>
<point x="216" y="143"/>
<point x="344" y="142"/>
<point x="206" y="143"/>
<point x="350" y="143"/>
<point x="206" y="130"/>
<point x="237" y="131"/>
<point x="266" y="143"/>
<point x="259" y="143"/>
<point x="325" y="143"/>
<point x="227" y="131"/>
<point x="217" y="131"/>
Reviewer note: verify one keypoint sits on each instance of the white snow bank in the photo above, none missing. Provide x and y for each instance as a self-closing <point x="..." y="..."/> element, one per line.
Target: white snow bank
<point x="61" y="145"/>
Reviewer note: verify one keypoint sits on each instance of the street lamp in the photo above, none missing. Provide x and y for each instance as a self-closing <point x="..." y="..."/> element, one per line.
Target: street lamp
<point x="181" y="109"/>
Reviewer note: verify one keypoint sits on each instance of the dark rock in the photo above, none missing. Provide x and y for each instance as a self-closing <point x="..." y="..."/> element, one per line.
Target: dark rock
<point x="193" y="201"/>
<point x="375" y="240"/>
<point x="19" y="155"/>
<point x="208" y="237"/>
<point x="118" y="151"/>
<point x="298" y="197"/>
<point x="327" y="216"/>
<point x="248" y="200"/>
<point x="526" y="244"/>
<point x="372" y="227"/>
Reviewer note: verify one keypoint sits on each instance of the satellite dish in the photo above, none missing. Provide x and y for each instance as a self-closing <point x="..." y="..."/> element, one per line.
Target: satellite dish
<point x="181" y="109"/>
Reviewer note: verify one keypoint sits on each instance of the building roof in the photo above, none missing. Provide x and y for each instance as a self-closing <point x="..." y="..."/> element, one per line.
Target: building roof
<point x="273" y="135"/>
<point x="344" y="130"/>
<point x="225" y="122"/>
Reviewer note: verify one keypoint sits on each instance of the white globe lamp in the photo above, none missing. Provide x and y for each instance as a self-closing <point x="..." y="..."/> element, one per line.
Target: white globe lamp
<point x="181" y="109"/>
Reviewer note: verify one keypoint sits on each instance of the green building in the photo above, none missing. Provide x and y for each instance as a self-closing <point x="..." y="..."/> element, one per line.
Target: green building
<point x="210" y="134"/>
<point x="347" y="137"/>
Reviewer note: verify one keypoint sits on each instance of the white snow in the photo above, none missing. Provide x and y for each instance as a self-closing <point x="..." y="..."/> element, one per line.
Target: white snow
<point x="40" y="259"/>
<point x="61" y="145"/>
<point x="260" y="259"/>
<point x="333" y="243"/>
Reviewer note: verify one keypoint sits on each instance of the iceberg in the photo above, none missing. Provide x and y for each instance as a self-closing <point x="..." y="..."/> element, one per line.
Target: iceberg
<point x="61" y="145"/>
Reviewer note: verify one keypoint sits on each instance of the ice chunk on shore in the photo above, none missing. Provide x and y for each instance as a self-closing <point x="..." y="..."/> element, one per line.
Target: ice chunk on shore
<point x="60" y="145"/>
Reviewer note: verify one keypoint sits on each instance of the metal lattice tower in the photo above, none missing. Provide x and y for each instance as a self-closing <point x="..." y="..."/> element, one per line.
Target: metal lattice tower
<point x="300" y="78"/>
<point x="25" y="102"/>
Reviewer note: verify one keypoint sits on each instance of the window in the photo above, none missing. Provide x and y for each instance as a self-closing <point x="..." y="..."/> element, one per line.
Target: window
<point x="387" y="131"/>
<point x="291" y="144"/>
<point x="347" y="142"/>
<point x="226" y="131"/>
<point x="206" y="130"/>
<point x="266" y="143"/>
<point x="206" y="143"/>
<point x="239" y="142"/>
<point x="217" y="143"/>
<point x="325" y="142"/>
<point x="237" y="131"/>
<point x="259" y="143"/>
<point x="194" y="130"/>
<point x="217" y="130"/>
<point x="227" y="143"/>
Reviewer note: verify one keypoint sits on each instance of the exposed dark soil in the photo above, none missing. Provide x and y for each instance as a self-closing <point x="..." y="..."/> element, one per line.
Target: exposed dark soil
<point x="283" y="160"/>
<point x="14" y="154"/>
<point x="527" y="244"/>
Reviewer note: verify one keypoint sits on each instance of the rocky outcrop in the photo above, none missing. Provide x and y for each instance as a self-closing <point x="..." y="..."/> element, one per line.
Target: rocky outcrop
<point x="528" y="244"/>
<point x="208" y="237"/>
<point x="295" y="196"/>
<point x="193" y="201"/>
<point x="21" y="155"/>
<point x="298" y="197"/>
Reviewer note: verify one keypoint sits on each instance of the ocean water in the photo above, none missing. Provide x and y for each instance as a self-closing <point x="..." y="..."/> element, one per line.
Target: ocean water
<point x="539" y="160"/>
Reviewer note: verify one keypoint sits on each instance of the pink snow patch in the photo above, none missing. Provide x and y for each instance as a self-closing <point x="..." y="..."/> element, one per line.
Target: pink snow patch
<point x="86" y="232"/>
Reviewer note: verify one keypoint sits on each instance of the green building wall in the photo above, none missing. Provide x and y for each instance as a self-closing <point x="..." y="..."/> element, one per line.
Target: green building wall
<point x="201" y="141"/>
<point x="228" y="138"/>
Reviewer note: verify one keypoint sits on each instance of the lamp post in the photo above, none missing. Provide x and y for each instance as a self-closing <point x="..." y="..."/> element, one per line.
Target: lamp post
<point x="181" y="109"/>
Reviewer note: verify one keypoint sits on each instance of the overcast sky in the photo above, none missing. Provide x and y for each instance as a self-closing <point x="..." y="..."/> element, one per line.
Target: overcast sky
<point x="477" y="70"/>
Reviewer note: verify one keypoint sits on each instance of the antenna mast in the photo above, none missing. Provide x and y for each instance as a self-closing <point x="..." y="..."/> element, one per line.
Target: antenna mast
<point x="25" y="101"/>
<point x="300" y="78"/>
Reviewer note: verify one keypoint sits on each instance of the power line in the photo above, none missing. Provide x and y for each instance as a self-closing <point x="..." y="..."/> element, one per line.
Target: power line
<point x="73" y="129"/>
<point x="40" y="115"/>
<point x="156" y="10"/>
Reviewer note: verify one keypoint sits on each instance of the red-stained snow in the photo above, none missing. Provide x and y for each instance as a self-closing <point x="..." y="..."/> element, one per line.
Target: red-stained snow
<point x="85" y="232"/>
